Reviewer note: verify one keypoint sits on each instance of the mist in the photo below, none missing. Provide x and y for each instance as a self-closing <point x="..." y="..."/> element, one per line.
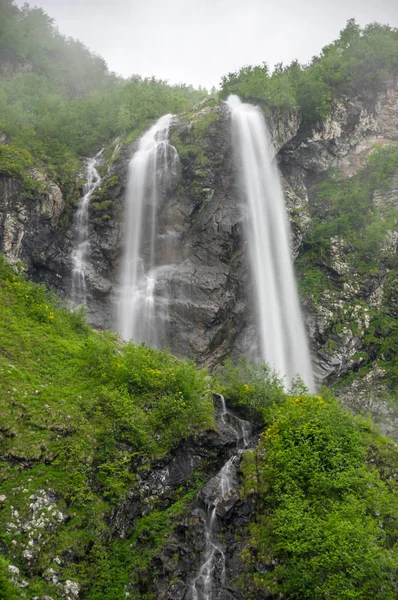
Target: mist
<point x="199" y="41"/>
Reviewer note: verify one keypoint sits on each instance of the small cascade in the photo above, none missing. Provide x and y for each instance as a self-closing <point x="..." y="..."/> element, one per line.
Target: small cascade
<point x="214" y="559"/>
<point x="82" y="246"/>
<point x="242" y="432"/>
<point x="143" y="304"/>
<point x="213" y="568"/>
<point x="282" y="340"/>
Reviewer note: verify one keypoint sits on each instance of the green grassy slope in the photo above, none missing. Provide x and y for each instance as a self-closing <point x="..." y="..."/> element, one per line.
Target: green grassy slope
<point x="81" y="414"/>
<point x="76" y="407"/>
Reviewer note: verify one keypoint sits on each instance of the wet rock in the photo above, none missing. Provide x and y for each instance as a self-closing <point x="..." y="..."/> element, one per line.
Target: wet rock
<point x="218" y="510"/>
<point x="157" y="482"/>
<point x="177" y="591"/>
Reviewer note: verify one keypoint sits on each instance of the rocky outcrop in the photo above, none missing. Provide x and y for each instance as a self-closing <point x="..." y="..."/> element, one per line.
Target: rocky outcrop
<point x="338" y="321"/>
<point x="369" y="395"/>
<point x="4" y="139"/>
<point x="11" y="66"/>
<point x="158" y="481"/>
<point x="175" y="566"/>
<point x="346" y="136"/>
<point x="29" y="220"/>
<point x="34" y="519"/>
<point x="204" y="268"/>
<point x="180" y="557"/>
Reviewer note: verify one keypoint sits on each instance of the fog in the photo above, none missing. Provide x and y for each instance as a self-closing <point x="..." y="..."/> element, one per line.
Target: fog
<point x="198" y="41"/>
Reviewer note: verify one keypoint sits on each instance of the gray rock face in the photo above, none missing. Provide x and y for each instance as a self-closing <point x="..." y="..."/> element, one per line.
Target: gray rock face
<point x="207" y="288"/>
<point x="28" y="225"/>
<point x="343" y="140"/>
<point x="369" y="395"/>
<point x="346" y="136"/>
<point x="205" y="271"/>
<point x="157" y="482"/>
<point x="175" y="565"/>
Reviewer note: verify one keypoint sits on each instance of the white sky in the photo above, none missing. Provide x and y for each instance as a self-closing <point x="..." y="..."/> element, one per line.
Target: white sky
<point x="198" y="41"/>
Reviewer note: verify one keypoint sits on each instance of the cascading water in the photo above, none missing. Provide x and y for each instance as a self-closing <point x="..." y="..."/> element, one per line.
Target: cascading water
<point x="142" y="309"/>
<point x="282" y="339"/>
<point x="80" y="252"/>
<point x="213" y="567"/>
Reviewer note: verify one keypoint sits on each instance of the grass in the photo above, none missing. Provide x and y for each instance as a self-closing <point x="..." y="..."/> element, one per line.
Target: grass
<point x="77" y="407"/>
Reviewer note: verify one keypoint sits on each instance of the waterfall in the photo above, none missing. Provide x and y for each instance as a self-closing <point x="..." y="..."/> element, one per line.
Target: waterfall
<point x="282" y="339"/>
<point x="82" y="245"/>
<point x="212" y="571"/>
<point x="142" y="309"/>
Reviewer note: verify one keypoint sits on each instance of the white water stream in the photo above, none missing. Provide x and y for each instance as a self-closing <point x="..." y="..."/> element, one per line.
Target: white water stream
<point x="213" y="567"/>
<point x="143" y="309"/>
<point x="282" y="339"/>
<point x="82" y="246"/>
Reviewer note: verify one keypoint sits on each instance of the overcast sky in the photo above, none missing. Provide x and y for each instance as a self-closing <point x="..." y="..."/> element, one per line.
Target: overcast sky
<point x="198" y="41"/>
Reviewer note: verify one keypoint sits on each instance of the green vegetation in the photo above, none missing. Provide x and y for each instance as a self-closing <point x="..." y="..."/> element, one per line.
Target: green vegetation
<point x="58" y="101"/>
<point x="323" y="491"/>
<point x="344" y="209"/>
<point x="101" y="203"/>
<point x="137" y="553"/>
<point x="82" y="415"/>
<point x="250" y="387"/>
<point x="350" y="212"/>
<point x="7" y="590"/>
<point x="381" y="339"/>
<point x="358" y="63"/>
<point x="344" y="212"/>
<point x="14" y="161"/>
<point x="325" y="523"/>
<point x="197" y="150"/>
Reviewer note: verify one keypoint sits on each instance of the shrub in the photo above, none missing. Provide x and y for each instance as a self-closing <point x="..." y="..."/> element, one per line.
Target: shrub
<point x="325" y="524"/>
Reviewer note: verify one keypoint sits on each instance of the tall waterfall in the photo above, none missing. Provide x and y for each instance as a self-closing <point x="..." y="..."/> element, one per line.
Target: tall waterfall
<point x="80" y="251"/>
<point x="142" y="310"/>
<point x="282" y="339"/>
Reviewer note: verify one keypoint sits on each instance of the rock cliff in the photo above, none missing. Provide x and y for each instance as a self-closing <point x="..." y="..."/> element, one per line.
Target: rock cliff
<point x="205" y="271"/>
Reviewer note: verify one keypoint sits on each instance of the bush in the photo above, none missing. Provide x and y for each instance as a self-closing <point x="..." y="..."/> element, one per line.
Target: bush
<point x="250" y="387"/>
<point x="326" y="523"/>
<point x="14" y="161"/>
